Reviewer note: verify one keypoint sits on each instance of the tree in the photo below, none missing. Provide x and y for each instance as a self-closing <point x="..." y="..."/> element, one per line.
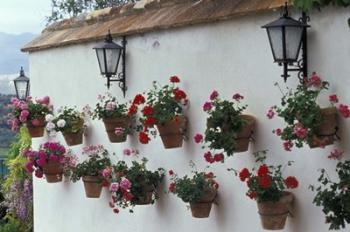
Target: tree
<point x="61" y="9"/>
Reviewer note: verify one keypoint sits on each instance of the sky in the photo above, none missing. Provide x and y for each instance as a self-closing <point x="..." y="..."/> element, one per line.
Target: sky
<point x="21" y="16"/>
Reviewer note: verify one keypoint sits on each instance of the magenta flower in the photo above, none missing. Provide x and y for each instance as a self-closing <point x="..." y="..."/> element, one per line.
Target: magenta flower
<point x="41" y="162"/>
<point x="54" y="158"/>
<point x="336" y="154"/>
<point x="127" y="152"/>
<point x="114" y="187"/>
<point x="300" y="132"/>
<point x="333" y="98"/>
<point x="278" y="132"/>
<point x="38" y="173"/>
<point x="24" y="116"/>
<point x="270" y="113"/>
<point x="125" y="184"/>
<point x="35" y="122"/>
<point x="106" y="172"/>
<point x="207" y="106"/>
<point x="214" y="95"/>
<point x="29" y="167"/>
<point x="237" y="97"/>
<point x="344" y="110"/>
<point x="287" y="145"/>
<point x="198" y="138"/>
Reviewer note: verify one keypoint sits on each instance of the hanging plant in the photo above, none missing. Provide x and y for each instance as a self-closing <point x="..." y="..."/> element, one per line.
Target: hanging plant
<point x="117" y="117"/>
<point x="133" y="186"/>
<point x="267" y="186"/>
<point x="199" y="191"/>
<point x="30" y="113"/>
<point x="163" y="109"/>
<point x="307" y="5"/>
<point x="307" y="122"/>
<point x="228" y="129"/>
<point x="70" y="122"/>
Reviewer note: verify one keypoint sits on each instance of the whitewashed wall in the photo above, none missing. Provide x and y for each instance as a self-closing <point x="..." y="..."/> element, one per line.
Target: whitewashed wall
<point x="230" y="57"/>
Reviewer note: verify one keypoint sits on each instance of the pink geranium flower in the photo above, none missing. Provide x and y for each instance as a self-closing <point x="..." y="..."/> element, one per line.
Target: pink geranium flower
<point x="333" y="98"/>
<point x="237" y="97"/>
<point x="287" y="145"/>
<point x="207" y="106"/>
<point x="198" y="138"/>
<point x="300" y="132"/>
<point x="214" y="95"/>
<point x="344" y="110"/>
<point x="270" y="114"/>
<point x="125" y="184"/>
<point x="336" y="154"/>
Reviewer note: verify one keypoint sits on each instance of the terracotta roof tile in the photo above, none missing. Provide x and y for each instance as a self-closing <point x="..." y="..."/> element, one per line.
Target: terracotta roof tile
<point x="146" y="16"/>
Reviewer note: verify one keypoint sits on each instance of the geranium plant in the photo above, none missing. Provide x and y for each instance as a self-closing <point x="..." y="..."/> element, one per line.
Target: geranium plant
<point x="164" y="108"/>
<point x="31" y="113"/>
<point x="116" y="116"/>
<point x="70" y="122"/>
<point x="52" y="159"/>
<point x="334" y="196"/>
<point x="306" y="122"/>
<point x="267" y="186"/>
<point x="94" y="170"/>
<point x="228" y="129"/>
<point x="135" y="185"/>
<point x="199" y="191"/>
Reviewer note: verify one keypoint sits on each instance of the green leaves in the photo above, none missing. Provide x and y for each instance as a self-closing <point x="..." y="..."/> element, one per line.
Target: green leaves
<point x="308" y="5"/>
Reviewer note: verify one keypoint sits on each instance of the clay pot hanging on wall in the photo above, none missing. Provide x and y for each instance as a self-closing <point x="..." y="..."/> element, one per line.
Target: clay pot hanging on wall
<point x="243" y="136"/>
<point x="53" y="171"/>
<point x="93" y="186"/>
<point x="172" y="132"/>
<point x="38" y="130"/>
<point x="112" y="123"/>
<point x="148" y="197"/>
<point x="202" y="207"/>
<point x="273" y="215"/>
<point x="73" y="139"/>
<point x="326" y="130"/>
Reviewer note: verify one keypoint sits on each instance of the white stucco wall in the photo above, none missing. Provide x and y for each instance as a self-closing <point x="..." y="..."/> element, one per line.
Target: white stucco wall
<point x="230" y="57"/>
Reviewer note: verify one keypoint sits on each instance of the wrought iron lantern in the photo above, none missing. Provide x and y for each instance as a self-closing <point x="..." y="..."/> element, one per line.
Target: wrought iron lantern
<point x="109" y="55"/>
<point x="287" y="37"/>
<point x="22" y="85"/>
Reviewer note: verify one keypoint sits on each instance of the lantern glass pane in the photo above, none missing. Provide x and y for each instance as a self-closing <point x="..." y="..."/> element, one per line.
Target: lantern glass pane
<point x="21" y="88"/>
<point x="112" y="57"/>
<point x="101" y="60"/>
<point x="293" y="41"/>
<point x="275" y="36"/>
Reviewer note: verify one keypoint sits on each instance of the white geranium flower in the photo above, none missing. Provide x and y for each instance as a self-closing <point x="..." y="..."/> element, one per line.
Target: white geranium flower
<point x="61" y="123"/>
<point x="50" y="126"/>
<point x="49" y="117"/>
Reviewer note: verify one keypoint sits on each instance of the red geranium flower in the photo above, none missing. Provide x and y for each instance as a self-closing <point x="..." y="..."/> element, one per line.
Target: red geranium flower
<point x="344" y="110"/>
<point x="132" y="110"/>
<point x="139" y="99"/>
<point x="218" y="157"/>
<point x="174" y="79"/>
<point x="265" y="182"/>
<point x="171" y="172"/>
<point x="244" y="174"/>
<point x="252" y="195"/>
<point x="208" y="157"/>
<point x="128" y="196"/>
<point x="150" y="121"/>
<point x="179" y="94"/>
<point x="172" y="187"/>
<point x="291" y="182"/>
<point x="209" y="175"/>
<point x="263" y="170"/>
<point x="147" y="110"/>
<point x="143" y="137"/>
<point x="333" y="98"/>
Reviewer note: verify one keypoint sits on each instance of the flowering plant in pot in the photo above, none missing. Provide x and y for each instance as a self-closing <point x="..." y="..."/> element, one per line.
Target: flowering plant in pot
<point x="228" y="129"/>
<point x="135" y="185"/>
<point x="95" y="170"/>
<point x="70" y="122"/>
<point x="199" y="191"/>
<point x="334" y="196"/>
<point x="117" y="117"/>
<point x="164" y="110"/>
<point x="306" y="122"/>
<point x="268" y="187"/>
<point x="31" y="113"/>
<point x="51" y="160"/>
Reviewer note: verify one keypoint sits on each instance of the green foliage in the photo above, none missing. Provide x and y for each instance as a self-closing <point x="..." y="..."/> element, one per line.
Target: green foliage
<point x="74" y="120"/>
<point x="308" y="5"/>
<point x="334" y="197"/>
<point x="223" y="124"/>
<point x="23" y="142"/>
<point x="108" y="107"/>
<point x="68" y="8"/>
<point x="12" y="224"/>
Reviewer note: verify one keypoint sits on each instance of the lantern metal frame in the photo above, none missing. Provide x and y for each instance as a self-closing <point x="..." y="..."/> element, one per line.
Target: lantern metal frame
<point x="116" y="76"/>
<point x="22" y="77"/>
<point x="299" y="65"/>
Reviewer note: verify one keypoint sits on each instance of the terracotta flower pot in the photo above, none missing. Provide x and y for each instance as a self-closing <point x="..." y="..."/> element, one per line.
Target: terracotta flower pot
<point x="243" y="137"/>
<point x="201" y="208"/>
<point x="93" y="186"/>
<point x="148" y="198"/>
<point x="53" y="171"/>
<point x="171" y="132"/>
<point x="112" y="123"/>
<point x="325" y="131"/>
<point x="37" y="131"/>
<point x="73" y="139"/>
<point x="273" y="215"/>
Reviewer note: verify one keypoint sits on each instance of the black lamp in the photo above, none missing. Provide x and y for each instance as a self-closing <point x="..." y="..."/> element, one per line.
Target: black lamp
<point x="109" y="55"/>
<point x="22" y="85"/>
<point x="287" y="36"/>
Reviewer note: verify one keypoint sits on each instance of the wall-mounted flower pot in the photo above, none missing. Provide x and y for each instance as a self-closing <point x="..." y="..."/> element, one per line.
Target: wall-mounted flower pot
<point x="326" y="131"/>
<point x="73" y="139"/>
<point x="201" y="208"/>
<point x="112" y="123"/>
<point x="148" y="197"/>
<point x="243" y="137"/>
<point x="53" y="171"/>
<point x="38" y="130"/>
<point x="93" y="186"/>
<point x="273" y="215"/>
<point x="172" y="132"/>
